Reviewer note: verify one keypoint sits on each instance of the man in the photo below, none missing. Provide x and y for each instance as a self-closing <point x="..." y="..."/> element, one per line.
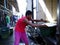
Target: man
<point x="20" y="28"/>
<point x="7" y="20"/>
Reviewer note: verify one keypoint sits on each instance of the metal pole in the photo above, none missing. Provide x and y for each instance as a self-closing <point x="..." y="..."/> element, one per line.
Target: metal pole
<point x="5" y="3"/>
<point x="58" y="21"/>
<point x="32" y="10"/>
<point x="58" y="14"/>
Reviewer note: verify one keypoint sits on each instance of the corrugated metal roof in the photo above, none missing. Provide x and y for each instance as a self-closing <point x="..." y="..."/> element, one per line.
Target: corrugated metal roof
<point x="11" y="2"/>
<point x="14" y="3"/>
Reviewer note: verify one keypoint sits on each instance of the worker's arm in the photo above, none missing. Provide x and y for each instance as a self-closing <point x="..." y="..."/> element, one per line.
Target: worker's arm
<point x="34" y="25"/>
<point x="39" y="20"/>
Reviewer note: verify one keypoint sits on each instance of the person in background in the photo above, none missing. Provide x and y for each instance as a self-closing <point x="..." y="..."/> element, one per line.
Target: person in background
<point x="20" y="33"/>
<point x="7" y="20"/>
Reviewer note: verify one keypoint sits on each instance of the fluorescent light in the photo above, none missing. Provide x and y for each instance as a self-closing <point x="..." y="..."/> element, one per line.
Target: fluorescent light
<point x="34" y="8"/>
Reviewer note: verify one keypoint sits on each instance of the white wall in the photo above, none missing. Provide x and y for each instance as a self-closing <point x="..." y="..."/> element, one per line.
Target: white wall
<point x="29" y="5"/>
